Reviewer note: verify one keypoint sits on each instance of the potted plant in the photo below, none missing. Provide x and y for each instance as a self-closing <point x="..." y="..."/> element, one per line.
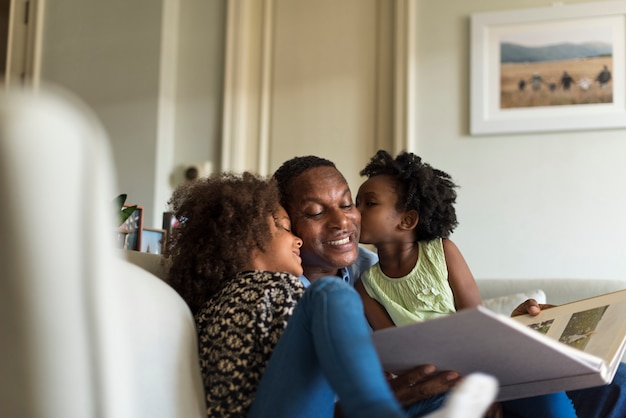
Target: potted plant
<point x="122" y="213"/>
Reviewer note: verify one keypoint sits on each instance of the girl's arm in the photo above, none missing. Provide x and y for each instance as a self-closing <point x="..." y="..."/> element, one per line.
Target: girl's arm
<point x="460" y="278"/>
<point x="376" y="315"/>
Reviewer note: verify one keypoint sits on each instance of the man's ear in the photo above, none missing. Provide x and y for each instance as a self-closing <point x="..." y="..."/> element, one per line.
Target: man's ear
<point x="409" y="220"/>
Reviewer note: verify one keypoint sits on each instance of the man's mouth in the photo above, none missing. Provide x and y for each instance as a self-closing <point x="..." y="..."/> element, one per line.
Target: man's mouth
<point x="342" y="241"/>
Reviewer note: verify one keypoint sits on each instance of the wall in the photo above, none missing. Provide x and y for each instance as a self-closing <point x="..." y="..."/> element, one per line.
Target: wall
<point x="308" y="78"/>
<point x="152" y="72"/>
<point x="199" y="84"/>
<point x="324" y="83"/>
<point x="108" y="54"/>
<point x="530" y="205"/>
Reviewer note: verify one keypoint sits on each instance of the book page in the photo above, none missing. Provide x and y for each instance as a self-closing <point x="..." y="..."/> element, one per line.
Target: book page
<point x="596" y="325"/>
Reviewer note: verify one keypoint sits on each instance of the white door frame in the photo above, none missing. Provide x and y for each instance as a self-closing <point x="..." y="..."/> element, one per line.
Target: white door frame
<point x="24" y="43"/>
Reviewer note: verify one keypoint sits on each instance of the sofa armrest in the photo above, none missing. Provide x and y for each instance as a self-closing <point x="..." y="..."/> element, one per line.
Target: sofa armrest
<point x="153" y="263"/>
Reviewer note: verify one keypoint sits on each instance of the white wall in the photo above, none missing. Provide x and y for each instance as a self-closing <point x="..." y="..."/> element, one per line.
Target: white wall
<point x="529" y="205"/>
<point x="199" y="81"/>
<point x="324" y="83"/>
<point x="108" y="54"/>
<point x="152" y="71"/>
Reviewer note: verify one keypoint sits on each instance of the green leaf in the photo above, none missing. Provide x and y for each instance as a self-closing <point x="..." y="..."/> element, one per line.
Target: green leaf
<point x="119" y="201"/>
<point x="123" y="212"/>
<point x="126" y="212"/>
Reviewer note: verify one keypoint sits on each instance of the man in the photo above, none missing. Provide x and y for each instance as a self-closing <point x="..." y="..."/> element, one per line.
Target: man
<point x="319" y="203"/>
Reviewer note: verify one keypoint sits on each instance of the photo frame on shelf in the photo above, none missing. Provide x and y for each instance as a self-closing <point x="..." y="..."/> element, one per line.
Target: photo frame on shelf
<point x="134" y="225"/>
<point x="153" y="240"/>
<point x="169" y="222"/>
<point x="557" y="68"/>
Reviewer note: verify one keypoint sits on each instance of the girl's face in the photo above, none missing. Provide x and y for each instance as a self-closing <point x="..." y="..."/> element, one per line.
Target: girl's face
<point x="282" y="252"/>
<point x="376" y="200"/>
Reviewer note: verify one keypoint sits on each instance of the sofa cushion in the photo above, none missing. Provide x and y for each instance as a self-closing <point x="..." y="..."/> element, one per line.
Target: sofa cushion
<point x="505" y="304"/>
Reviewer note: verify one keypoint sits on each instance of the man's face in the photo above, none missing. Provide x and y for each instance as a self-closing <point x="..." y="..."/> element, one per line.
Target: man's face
<point x="325" y="218"/>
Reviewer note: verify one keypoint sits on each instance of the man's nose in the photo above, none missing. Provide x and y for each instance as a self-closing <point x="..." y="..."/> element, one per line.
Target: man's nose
<point x="341" y="218"/>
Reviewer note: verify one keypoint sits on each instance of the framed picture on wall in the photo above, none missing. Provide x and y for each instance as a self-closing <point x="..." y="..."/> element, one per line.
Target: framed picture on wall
<point x="548" y="69"/>
<point x="153" y="240"/>
<point x="134" y="225"/>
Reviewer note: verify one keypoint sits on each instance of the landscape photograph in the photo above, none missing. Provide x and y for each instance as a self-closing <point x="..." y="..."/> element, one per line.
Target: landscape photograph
<point x="556" y="67"/>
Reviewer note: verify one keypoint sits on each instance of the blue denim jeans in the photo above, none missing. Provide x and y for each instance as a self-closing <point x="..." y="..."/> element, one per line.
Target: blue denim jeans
<point x="325" y="350"/>
<point x="553" y="405"/>
<point x="607" y="401"/>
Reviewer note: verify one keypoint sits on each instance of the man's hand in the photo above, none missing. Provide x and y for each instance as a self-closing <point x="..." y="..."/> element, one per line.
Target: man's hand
<point x="495" y="411"/>
<point x="531" y="307"/>
<point x="421" y="383"/>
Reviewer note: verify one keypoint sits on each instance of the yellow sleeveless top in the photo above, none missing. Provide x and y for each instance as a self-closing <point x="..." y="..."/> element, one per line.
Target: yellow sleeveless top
<point x="423" y="294"/>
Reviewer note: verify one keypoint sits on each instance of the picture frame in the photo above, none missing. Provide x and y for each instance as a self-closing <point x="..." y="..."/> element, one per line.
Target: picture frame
<point x="133" y="225"/>
<point x="169" y="222"/>
<point x="153" y="240"/>
<point x="510" y="43"/>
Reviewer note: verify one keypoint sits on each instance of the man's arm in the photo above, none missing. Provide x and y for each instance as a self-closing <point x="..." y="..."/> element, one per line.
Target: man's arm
<point x="418" y="384"/>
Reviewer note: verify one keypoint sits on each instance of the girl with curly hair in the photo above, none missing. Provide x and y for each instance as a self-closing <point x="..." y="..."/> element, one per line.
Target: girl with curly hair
<point x="267" y="347"/>
<point x="407" y="213"/>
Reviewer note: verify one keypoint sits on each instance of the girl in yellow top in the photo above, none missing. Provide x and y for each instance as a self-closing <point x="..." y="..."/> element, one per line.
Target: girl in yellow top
<point x="407" y="213"/>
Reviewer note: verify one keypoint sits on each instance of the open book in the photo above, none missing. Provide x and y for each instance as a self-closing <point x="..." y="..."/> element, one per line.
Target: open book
<point x="572" y="346"/>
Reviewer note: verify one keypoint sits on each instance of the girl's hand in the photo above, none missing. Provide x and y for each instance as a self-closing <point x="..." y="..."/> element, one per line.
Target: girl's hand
<point x="531" y="307"/>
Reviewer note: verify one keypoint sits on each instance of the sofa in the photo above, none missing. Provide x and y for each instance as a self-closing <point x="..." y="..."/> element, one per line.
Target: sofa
<point x="85" y="334"/>
<point x="499" y="295"/>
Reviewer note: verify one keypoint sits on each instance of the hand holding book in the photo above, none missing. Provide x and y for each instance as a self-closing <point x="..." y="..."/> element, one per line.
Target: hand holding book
<point x="531" y="307"/>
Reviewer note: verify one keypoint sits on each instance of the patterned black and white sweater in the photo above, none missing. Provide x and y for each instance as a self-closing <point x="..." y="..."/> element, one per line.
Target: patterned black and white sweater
<point x="237" y="331"/>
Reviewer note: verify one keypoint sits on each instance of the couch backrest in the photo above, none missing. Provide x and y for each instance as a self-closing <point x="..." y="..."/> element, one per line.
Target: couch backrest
<point x="84" y="333"/>
<point x="558" y="291"/>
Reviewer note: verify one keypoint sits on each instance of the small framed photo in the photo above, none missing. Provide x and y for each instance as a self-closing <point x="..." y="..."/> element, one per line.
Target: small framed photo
<point x="153" y="240"/>
<point x="169" y="222"/>
<point x="134" y="225"/>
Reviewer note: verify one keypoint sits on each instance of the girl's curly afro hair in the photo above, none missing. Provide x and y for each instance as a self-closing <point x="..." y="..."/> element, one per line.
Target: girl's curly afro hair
<point x="221" y="220"/>
<point x="420" y="187"/>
